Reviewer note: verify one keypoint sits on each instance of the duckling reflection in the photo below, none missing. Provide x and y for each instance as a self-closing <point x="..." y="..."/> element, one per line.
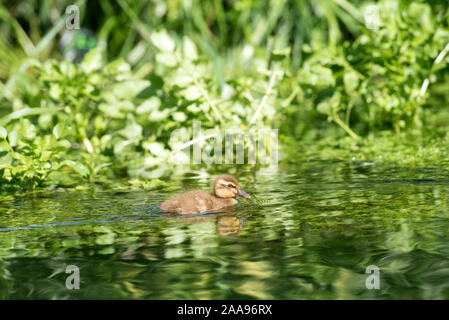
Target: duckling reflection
<point x="226" y="224"/>
<point x="230" y="225"/>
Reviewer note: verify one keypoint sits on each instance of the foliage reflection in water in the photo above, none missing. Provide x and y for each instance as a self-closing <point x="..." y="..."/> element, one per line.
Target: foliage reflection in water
<point x="314" y="229"/>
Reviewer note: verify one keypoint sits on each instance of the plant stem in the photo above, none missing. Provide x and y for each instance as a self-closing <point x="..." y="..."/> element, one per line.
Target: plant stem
<point x="343" y="125"/>
<point x="196" y="140"/>
<point x="265" y="97"/>
<point x="438" y="59"/>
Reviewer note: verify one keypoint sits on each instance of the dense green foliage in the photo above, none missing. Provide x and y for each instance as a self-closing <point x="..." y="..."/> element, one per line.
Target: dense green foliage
<point x="311" y="69"/>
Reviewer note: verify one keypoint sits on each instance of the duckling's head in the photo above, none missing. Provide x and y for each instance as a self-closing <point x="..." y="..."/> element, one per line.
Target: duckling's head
<point x="225" y="186"/>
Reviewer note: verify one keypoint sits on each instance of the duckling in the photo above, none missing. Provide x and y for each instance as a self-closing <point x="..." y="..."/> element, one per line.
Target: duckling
<point x="197" y="201"/>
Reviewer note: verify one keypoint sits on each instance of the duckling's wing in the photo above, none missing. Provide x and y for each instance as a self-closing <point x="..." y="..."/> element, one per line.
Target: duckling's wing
<point x="170" y="205"/>
<point x="189" y="202"/>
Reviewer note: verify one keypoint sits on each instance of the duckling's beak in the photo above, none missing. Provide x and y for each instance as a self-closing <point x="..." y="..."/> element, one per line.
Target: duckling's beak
<point x="243" y="194"/>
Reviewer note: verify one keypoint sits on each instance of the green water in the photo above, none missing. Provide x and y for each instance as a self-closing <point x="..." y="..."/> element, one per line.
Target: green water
<point x="313" y="231"/>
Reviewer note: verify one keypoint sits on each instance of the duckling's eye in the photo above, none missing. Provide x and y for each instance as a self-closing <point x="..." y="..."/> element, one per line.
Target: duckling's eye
<point x="230" y="186"/>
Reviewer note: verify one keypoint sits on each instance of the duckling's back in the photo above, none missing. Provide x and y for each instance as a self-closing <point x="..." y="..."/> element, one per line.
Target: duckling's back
<point x="189" y="202"/>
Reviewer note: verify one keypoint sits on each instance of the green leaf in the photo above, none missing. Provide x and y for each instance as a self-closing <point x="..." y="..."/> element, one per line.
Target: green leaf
<point x="3" y="132"/>
<point x="179" y="116"/>
<point x="155" y="148"/>
<point x="27" y="129"/>
<point x="132" y="131"/>
<point x="117" y="66"/>
<point x="149" y="105"/>
<point x="129" y="89"/>
<point x="163" y="41"/>
<point x="189" y="47"/>
<point x="92" y="61"/>
<point x="281" y="54"/>
<point x="324" y="108"/>
<point x="26" y="112"/>
<point x="13" y="138"/>
<point x="167" y="58"/>
<point x="78" y="167"/>
<point x="351" y="81"/>
<point x="192" y="93"/>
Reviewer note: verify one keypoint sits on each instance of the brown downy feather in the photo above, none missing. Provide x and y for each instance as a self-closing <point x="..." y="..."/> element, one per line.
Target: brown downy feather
<point x="197" y="201"/>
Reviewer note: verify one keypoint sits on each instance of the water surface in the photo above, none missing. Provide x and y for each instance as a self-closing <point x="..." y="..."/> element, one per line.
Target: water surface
<point x="311" y="234"/>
